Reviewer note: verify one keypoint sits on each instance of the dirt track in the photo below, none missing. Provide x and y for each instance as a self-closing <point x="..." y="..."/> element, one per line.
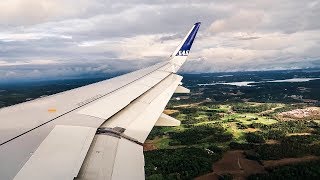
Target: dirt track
<point x="235" y="163"/>
<point x="149" y="146"/>
<point x="170" y="111"/>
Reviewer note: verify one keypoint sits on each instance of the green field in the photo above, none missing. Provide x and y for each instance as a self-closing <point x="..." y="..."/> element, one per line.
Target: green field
<point x="213" y="114"/>
<point x="244" y="126"/>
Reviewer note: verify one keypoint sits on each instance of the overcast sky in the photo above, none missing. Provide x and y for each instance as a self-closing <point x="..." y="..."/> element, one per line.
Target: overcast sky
<point x="55" y="38"/>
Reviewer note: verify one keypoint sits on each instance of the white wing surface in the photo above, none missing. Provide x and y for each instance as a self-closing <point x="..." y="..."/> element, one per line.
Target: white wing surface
<point x="91" y="132"/>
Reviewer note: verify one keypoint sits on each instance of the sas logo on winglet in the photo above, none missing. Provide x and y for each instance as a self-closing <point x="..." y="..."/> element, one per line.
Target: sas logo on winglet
<point x="183" y="53"/>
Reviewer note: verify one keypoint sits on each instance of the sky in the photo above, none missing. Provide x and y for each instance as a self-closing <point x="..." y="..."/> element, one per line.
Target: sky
<point x="68" y="38"/>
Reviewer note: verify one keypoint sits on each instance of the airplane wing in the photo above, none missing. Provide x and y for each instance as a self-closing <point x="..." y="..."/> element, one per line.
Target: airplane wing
<point x="92" y="132"/>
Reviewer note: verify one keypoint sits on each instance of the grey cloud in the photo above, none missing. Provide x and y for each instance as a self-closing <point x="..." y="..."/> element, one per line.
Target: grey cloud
<point x="69" y="70"/>
<point x="171" y="37"/>
<point x="235" y="35"/>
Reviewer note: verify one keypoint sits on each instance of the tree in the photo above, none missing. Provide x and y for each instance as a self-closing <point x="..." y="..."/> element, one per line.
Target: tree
<point x="254" y="137"/>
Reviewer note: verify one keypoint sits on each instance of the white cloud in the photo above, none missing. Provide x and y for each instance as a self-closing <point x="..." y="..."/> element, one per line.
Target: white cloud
<point x="9" y="37"/>
<point x="242" y="20"/>
<point x="28" y="62"/>
<point x="29" y="12"/>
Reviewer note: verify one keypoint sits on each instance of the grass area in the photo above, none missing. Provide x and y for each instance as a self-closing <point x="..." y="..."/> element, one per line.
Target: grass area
<point x="249" y="118"/>
<point x="225" y="108"/>
<point x="232" y="128"/>
<point x="266" y="121"/>
<point x="162" y="143"/>
<point x="201" y="116"/>
<point x="181" y="117"/>
<point x="234" y="122"/>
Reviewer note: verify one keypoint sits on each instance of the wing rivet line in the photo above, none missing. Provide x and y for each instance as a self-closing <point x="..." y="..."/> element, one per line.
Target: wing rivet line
<point x="117" y="132"/>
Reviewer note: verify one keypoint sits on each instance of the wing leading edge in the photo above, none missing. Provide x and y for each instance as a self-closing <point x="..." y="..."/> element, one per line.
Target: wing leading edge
<point x="122" y="111"/>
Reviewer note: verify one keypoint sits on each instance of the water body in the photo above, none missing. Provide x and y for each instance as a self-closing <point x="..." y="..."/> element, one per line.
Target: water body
<point x="243" y="83"/>
<point x="250" y="83"/>
<point x="227" y="75"/>
<point x="294" y="80"/>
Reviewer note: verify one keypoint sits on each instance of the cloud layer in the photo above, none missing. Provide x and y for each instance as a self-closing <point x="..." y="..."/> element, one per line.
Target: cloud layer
<point x="53" y="38"/>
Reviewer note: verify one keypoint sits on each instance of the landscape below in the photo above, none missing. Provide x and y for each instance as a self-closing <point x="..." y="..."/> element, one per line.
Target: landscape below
<point x="243" y="125"/>
<point x="265" y="129"/>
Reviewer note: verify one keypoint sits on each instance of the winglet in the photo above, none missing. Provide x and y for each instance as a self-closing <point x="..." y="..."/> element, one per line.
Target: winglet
<point x="184" y="48"/>
<point x="180" y="55"/>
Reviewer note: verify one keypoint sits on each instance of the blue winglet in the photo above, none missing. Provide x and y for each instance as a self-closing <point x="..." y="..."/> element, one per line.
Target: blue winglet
<point x="185" y="48"/>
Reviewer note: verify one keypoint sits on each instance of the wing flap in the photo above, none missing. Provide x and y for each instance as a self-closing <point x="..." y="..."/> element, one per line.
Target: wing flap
<point x="100" y="159"/>
<point x="182" y="90"/>
<point x="112" y="157"/>
<point x="128" y="165"/>
<point x="60" y="155"/>
<point x="166" y="120"/>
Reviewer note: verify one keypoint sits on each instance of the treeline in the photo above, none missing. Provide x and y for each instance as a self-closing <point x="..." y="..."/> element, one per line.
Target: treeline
<point x="277" y="131"/>
<point x="309" y="170"/>
<point x="246" y="108"/>
<point x="277" y="151"/>
<point x="194" y="115"/>
<point x="182" y="163"/>
<point x="287" y="126"/>
<point x="209" y="133"/>
<point x="194" y="118"/>
<point x="286" y="150"/>
<point x="285" y="146"/>
<point x="158" y="131"/>
<point x="289" y="107"/>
